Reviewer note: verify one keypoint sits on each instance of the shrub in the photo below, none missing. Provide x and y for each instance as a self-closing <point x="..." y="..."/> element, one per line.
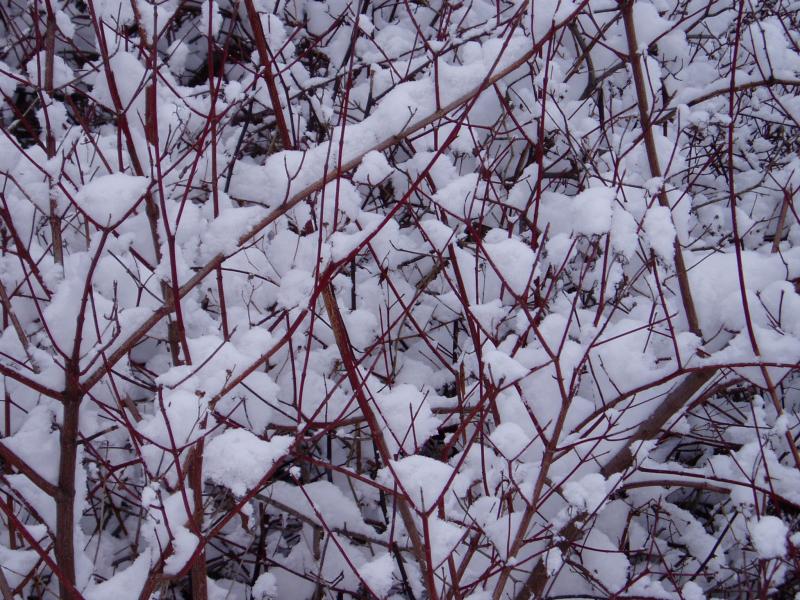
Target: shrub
<point x="419" y="299"/>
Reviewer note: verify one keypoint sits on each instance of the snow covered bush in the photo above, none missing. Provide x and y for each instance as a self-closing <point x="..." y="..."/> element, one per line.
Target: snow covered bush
<point x="380" y="299"/>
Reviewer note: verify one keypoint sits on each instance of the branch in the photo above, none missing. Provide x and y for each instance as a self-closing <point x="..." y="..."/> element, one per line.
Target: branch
<point x="316" y="186"/>
<point x="570" y="533"/>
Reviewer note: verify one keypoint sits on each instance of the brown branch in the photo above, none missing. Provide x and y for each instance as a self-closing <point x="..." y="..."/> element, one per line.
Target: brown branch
<point x="269" y="77"/>
<point x="653" y="161"/>
<point x="30" y="383"/>
<point x="346" y="352"/>
<point x="64" y="548"/>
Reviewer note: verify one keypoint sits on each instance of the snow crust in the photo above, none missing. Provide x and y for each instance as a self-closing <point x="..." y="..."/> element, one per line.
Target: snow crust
<point x="238" y="459"/>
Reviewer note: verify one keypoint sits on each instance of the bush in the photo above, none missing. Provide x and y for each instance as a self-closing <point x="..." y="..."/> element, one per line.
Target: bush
<point x="419" y="299"/>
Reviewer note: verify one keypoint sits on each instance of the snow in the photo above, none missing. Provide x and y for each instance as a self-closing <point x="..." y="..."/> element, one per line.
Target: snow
<point x="510" y="439"/>
<point x="126" y="584"/>
<point x="362" y="327"/>
<point x="36" y="443"/>
<point x="692" y="591"/>
<point x="166" y="525"/>
<point x="107" y="199"/>
<point x="7" y="83"/>
<point x="457" y="197"/>
<point x="423" y="479"/>
<point x="128" y="87"/>
<point x="701" y="544"/>
<point x="488" y="315"/>
<point x="588" y="213"/>
<point x="378" y="574"/>
<point x="178" y="53"/>
<point x="715" y="288"/>
<point x="649" y="24"/>
<point x="437" y="233"/>
<point x="374" y="167"/>
<point x="553" y="561"/>
<point x="443" y="537"/>
<point x="774" y="347"/>
<point x="604" y="560"/>
<point x="183" y="411"/>
<point x="795" y="539"/>
<point x="768" y="535"/>
<point x="407" y="416"/>
<point x="238" y="460"/>
<point x="624" y="235"/>
<point x="15" y="563"/>
<point x="588" y="493"/>
<point x="591" y="210"/>
<point x="295" y="288"/>
<point x="323" y="502"/>
<point x="365" y="24"/>
<point x="224" y="232"/>
<point x="512" y="260"/>
<point x="62" y="73"/>
<point x="265" y="587"/>
<point x="660" y="231"/>
<point x="494" y="264"/>
<point x="184" y="543"/>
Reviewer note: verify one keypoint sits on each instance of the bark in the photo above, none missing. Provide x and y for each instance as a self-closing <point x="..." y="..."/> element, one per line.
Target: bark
<point x="65" y="495"/>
